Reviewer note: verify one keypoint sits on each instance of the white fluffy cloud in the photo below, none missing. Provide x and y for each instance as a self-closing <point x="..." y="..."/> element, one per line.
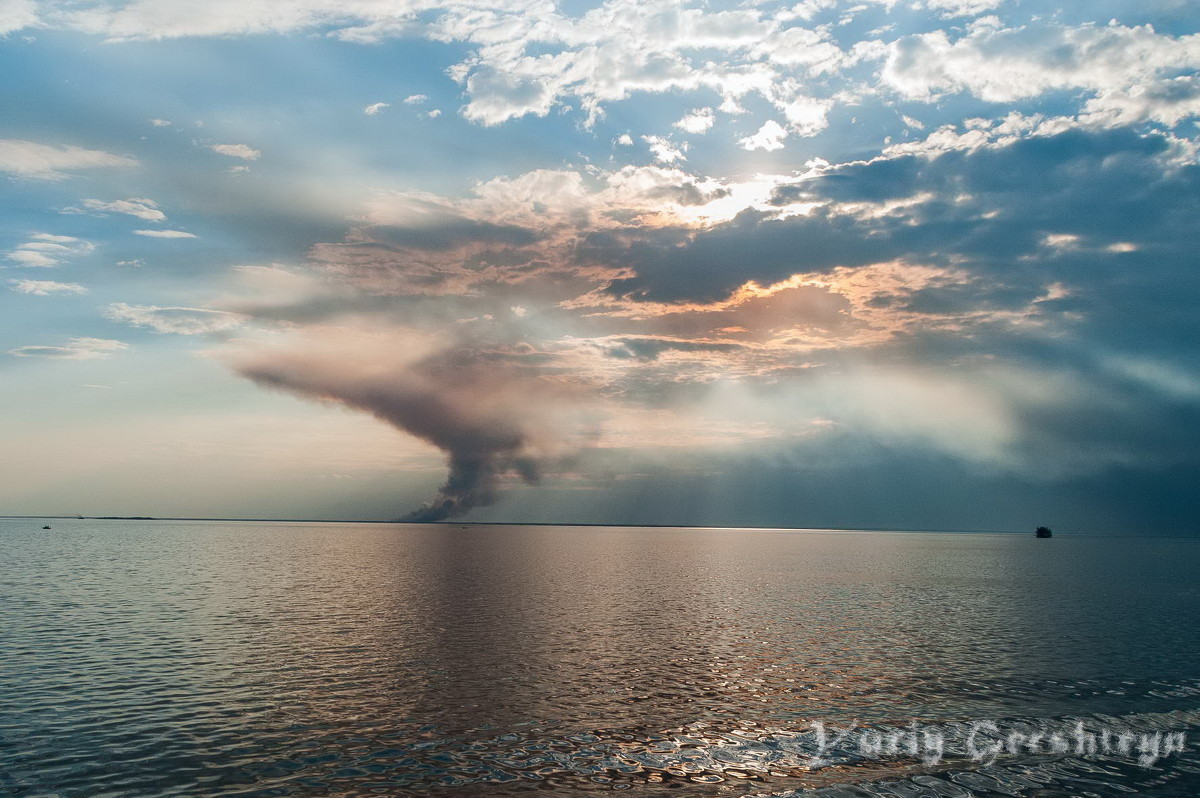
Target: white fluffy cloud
<point x="613" y="51"/>
<point x="1167" y="101"/>
<point x="664" y="150"/>
<point x="167" y="19"/>
<point x="164" y="234"/>
<point x="975" y="134"/>
<point x="769" y="137"/>
<point x="75" y="349"/>
<point x="242" y="151"/>
<point x="45" y="287"/>
<point x="45" y="250"/>
<point x="962" y="8"/>
<point x="806" y="116"/>
<point x="1005" y="65"/>
<point x="176" y="320"/>
<point x="531" y="58"/>
<point x="141" y="208"/>
<point x="697" y="121"/>
<point x="528" y="58"/>
<point x="799" y="46"/>
<point x="38" y="161"/>
<point x="17" y="14"/>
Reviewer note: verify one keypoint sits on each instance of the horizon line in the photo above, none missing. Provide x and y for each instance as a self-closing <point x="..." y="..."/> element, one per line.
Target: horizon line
<point x="501" y="523"/>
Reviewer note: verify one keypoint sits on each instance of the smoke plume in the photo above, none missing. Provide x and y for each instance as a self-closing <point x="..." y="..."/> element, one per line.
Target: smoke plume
<point x="490" y="410"/>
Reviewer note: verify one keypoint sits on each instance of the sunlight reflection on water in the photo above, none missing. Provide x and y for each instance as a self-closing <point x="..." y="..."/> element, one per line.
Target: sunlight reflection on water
<point x="204" y="658"/>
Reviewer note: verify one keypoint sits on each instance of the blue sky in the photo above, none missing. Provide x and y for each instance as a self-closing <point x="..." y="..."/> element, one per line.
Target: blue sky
<point x="927" y="263"/>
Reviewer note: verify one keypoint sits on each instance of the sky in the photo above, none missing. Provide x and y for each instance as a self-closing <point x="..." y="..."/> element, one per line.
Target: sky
<point x="920" y="264"/>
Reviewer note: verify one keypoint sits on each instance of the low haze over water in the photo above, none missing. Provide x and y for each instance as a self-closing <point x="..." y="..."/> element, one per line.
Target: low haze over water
<point x="276" y="659"/>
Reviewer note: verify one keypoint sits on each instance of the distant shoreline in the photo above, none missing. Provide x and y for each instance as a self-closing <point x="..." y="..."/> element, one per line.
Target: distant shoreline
<point x="499" y="523"/>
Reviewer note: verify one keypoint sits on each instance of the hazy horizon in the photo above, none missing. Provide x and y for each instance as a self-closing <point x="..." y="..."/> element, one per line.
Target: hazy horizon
<point x="583" y="524"/>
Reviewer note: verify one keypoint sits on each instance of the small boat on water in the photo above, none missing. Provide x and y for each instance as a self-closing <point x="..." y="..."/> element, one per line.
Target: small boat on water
<point x="1043" y="532"/>
<point x="46" y="527"/>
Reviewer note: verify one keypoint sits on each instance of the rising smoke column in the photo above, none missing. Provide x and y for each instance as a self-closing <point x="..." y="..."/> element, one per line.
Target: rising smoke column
<point x="489" y="410"/>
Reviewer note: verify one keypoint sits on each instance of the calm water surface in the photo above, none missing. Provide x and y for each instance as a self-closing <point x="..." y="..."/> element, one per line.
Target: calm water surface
<point x="264" y="659"/>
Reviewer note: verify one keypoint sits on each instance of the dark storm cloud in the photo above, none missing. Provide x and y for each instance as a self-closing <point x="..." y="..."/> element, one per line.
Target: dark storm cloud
<point x="753" y="246"/>
<point x="968" y="297"/>
<point x="987" y="210"/>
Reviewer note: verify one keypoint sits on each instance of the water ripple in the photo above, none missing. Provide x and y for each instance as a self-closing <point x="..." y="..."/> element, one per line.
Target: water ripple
<point x="208" y="659"/>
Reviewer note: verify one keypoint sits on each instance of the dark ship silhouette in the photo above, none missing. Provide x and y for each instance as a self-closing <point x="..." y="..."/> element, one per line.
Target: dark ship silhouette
<point x="1043" y="532"/>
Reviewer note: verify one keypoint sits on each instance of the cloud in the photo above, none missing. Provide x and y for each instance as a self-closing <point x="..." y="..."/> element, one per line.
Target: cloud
<point x="164" y="234"/>
<point x="242" y="151"/>
<point x="977" y="133"/>
<point x="1005" y="65"/>
<point x="174" y="320"/>
<point x="45" y="287"/>
<point x="17" y="14"/>
<point x="613" y="51"/>
<point x="769" y="137"/>
<point x="33" y="160"/>
<point x="374" y="108"/>
<point x="946" y="205"/>
<point x="531" y="233"/>
<point x="509" y="231"/>
<point x="806" y="116"/>
<point x="161" y="122"/>
<point x="1168" y="101"/>
<point x="546" y="200"/>
<point x="697" y="122"/>
<point x="962" y="8"/>
<point x="666" y="151"/>
<point x="75" y="349"/>
<point x="527" y="60"/>
<point x="29" y="257"/>
<point x="45" y="250"/>
<point x="610" y="52"/>
<point x="141" y="208"/>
